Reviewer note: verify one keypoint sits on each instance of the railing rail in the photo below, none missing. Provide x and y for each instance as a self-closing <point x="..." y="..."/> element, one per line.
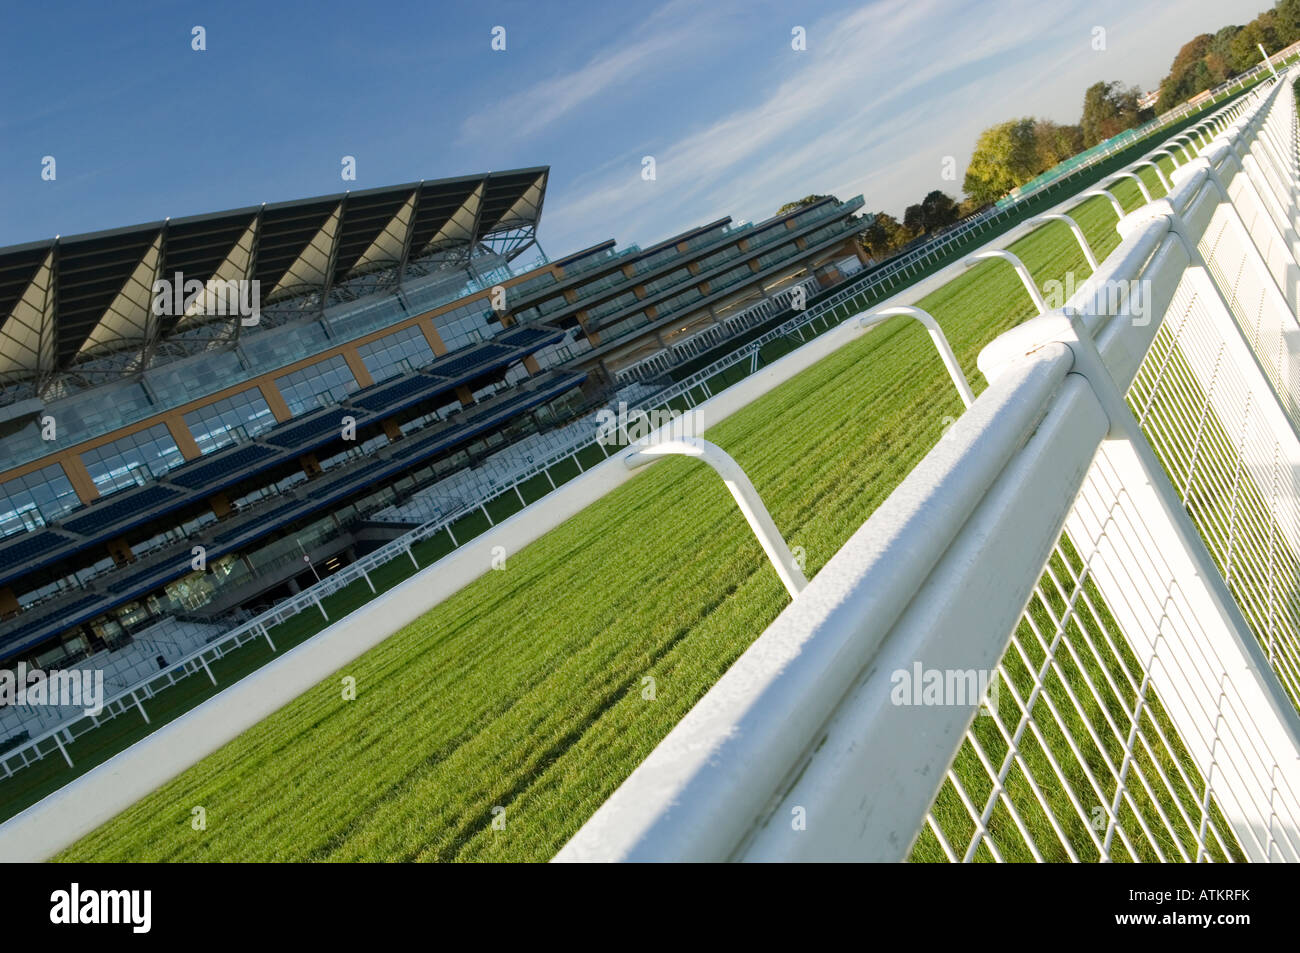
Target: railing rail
<point x="1109" y="533"/>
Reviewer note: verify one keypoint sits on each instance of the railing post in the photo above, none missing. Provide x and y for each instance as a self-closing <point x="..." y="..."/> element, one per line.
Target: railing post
<point x="747" y="498"/>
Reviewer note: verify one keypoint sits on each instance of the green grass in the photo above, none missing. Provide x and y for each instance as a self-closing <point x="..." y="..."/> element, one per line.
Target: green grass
<point x="525" y="689"/>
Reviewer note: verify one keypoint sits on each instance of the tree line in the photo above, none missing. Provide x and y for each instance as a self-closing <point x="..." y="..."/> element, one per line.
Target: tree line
<point x="1212" y="58"/>
<point x="1011" y="153"/>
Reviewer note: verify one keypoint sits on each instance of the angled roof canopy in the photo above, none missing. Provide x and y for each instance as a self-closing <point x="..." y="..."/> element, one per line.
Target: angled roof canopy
<point x="74" y="299"/>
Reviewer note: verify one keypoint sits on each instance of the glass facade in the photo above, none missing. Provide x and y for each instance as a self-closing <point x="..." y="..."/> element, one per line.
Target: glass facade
<point x="468" y="324"/>
<point x="131" y="460"/>
<point x="395" y="354"/>
<point x="223" y="422"/>
<point x="30" y="501"/>
<point x="322" y="383"/>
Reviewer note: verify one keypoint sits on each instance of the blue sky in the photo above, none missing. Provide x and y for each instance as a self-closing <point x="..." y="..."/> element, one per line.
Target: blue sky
<point x="143" y="127"/>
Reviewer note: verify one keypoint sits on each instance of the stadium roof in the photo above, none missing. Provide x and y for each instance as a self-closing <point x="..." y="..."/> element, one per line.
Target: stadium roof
<point x="69" y="299"/>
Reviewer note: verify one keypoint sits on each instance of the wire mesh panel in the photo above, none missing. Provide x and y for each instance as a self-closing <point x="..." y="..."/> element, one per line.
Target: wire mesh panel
<point x="1230" y="468"/>
<point x="1075" y="755"/>
<point x="1074" y="758"/>
<point x="1256" y="304"/>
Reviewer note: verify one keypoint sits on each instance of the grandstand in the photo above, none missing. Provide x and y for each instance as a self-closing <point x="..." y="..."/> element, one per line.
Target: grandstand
<point x="379" y="372"/>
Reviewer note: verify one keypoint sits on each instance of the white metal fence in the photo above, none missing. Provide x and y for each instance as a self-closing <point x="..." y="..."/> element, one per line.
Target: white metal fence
<point x="1112" y="531"/>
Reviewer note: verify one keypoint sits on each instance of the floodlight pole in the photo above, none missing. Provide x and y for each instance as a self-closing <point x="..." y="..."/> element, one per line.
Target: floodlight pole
<point x="936" y="335"/>
<point x="747" y="498"/>
<point x="1074" y="227"/>
<point x="1025" y="277"/>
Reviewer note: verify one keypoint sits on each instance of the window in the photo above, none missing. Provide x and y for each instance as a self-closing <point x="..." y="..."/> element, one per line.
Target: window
<point x="394" y="354"/>
<point x="132" y="460"/>
<point x="30" y="501"/>
<point x="322" y="383"/>
<point x="222" y="422"/>
<point x="468" y="324"/>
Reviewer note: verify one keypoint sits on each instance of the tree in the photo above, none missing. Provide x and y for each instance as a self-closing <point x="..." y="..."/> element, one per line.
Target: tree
<point x="806" y="200"/>
<point x="1288" y="22"/>
<point x="914" y="219"/>
<point x="938" y="211"/>
<point x="1187" y="74"/>
<point x="1108" y="109"/>
<point x="883" y="236"/>
<point x="1006" y="155"/>
<point x="1242" y="53"/>
<point x="1221" y="43"/>
<point x="1056" y="143"/>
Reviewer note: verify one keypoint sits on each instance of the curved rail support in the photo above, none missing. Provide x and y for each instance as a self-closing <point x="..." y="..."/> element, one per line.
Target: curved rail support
<point x="1110" y="197"/>
<point x="1160" y="173"/>
<point x="936" y="335"/>
<point x="747" y="498"/>
<point x="1165" y="152"/>
<point x="1074" y="227"/>
<point x="1128" y="174"/>
<point x="1025" y="277"/>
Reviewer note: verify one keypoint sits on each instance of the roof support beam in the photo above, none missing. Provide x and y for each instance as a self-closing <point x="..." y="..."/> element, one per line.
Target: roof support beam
<point x="410" y="234"/>
<point x="333" y="259"/>
<point x="153" y="321"/>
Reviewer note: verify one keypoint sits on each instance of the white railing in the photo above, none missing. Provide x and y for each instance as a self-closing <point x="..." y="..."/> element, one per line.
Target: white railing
<point x="715" y="334"/>
<point x="1110" y="532"/>
<point x="803" y="327"/>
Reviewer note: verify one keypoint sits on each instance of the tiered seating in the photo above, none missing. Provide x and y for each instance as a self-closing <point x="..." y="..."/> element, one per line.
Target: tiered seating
<point x="460" y="364"/>
<point x="477" y="419"/>
<point x="226" y="467"/>
<point x="361" y="474"/>
<point x="161" y="572"/>
<point x="28" y="546"/>
<point x="392" y="397"/>
<point x="300" y="435"/>
<point x="133" y="503"/>
<point x="12" y="639"/>
<point x="527" y="336"/>
<point x="266" y="519"/>
<point x="131" y="582"/>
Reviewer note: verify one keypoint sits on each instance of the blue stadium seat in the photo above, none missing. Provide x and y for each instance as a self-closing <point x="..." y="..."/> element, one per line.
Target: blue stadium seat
<point x="47" y="624"/>
<point x="205" y="474"/>
<point x="457" y="365"/>
<point x="27" y="547"/>
<point x="302" y="434"/>
<point x="267" y="519"/>
<point x="100" y="516"/>
<point x="395" y="396"/>
<point x="525" y="336"/>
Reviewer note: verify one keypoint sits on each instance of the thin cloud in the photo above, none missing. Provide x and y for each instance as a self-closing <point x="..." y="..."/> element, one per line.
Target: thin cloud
<point x="544" y="104"/>
<point x="882" y="95"/>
